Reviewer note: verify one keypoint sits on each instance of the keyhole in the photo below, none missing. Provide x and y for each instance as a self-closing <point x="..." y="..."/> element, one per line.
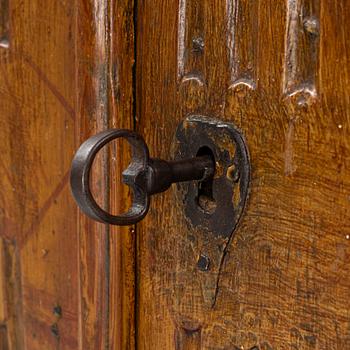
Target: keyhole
<point x="205" y="198"/>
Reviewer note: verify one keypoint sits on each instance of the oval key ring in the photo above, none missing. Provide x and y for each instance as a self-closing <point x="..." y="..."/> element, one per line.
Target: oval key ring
<point x="80" y="177"/>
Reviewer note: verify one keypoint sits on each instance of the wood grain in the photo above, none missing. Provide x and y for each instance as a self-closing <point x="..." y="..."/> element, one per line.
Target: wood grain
<point x="122" y="239"/>
<point x="285" y="280"/>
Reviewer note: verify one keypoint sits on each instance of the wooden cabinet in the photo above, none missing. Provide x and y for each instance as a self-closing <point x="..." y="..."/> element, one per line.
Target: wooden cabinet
<point x="278" y="70"/>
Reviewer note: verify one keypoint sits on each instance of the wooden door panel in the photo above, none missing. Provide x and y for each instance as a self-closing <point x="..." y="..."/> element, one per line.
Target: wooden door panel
<point x="65" y="73"/>
<point x="37" y="133"/>
<point x="279" y="71"/>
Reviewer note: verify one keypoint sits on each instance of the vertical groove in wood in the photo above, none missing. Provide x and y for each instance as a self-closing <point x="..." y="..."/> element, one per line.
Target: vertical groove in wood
<point x="92" y="55"/>
<point x="11" y="298"/>
<point x="3" y="301"/>
<point x="302" y="49"/>
<point x="105" y="99"/>
<point x="243" y="36"/>
<point x="181" y="38"/>
<point x="122" y="239"/>
<point x="4" y="23"/>
<point x="191" y="41"/>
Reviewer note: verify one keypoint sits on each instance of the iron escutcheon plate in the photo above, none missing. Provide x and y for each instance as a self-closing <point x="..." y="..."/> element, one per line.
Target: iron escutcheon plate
<point x="216" y="206"/>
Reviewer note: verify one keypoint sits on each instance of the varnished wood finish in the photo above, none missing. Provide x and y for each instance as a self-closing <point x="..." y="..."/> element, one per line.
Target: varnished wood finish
<point x="280" y="72"/>
<point x="66" y="74"/>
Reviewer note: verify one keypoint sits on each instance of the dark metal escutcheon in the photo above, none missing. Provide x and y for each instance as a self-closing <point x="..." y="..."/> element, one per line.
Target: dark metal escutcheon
<point x="218" y="204"/>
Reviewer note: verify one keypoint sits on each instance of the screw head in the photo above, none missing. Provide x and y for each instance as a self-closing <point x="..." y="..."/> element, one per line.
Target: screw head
<point x="203" y="263"/>
<point x="233" y="173"/>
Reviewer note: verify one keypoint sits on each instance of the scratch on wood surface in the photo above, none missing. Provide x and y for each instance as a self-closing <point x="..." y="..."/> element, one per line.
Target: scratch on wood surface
<point x="289" y="166"/>
<point x="44" y="209"/>
<point x="42" y="76"/>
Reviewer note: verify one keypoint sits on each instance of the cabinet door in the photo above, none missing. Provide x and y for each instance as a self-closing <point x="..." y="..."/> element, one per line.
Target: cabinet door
<point x="65" y="73"/>
<point x="279" y="70"/>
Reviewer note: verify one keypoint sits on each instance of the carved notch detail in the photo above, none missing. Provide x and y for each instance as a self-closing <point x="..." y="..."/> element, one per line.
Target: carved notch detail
<point x="4" y="23"/>
<point x="302" y="49"/>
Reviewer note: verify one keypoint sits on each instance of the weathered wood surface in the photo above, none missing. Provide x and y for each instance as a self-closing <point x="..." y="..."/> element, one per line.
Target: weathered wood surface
<point x="65" y="73"/>
<point x="280" y="72"/>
